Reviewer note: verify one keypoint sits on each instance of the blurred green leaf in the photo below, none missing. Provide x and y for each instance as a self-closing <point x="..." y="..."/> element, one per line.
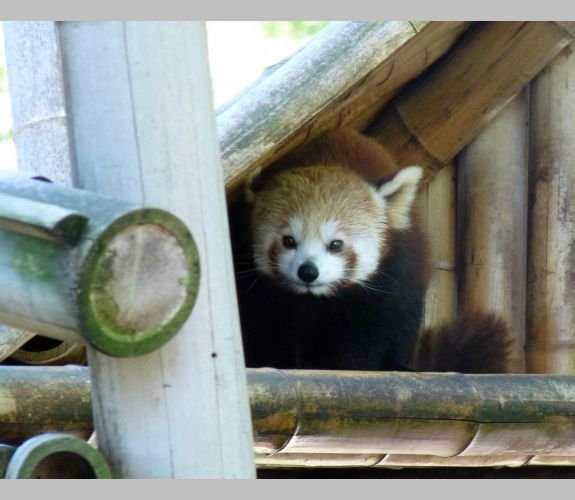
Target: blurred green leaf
<point x="291" y="29"/>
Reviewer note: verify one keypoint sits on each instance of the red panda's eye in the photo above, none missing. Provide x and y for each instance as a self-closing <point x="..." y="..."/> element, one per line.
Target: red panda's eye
<point x="335" y="246"/>
<point x="289" y="242"/>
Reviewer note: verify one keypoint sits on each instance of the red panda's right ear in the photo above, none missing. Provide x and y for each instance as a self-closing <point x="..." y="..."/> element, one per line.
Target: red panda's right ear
<point x="252" y="185"/>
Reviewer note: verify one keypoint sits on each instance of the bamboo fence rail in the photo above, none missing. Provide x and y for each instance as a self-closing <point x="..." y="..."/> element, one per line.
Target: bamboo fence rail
<point x="367" y="419"/>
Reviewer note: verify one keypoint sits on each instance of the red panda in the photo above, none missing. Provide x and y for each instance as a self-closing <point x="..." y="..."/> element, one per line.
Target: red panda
<point x="332" y="268"/>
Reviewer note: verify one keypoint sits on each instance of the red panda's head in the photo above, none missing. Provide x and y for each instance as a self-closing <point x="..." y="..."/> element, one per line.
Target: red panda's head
<point x="316" y="229"/>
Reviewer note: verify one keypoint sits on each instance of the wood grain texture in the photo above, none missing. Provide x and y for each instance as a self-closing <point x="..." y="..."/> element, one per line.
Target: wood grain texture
<point x="341" y="77"/>
<point x="551" y="254"/>
<point x="492" y="221"/>
<point x="442" y="110"/>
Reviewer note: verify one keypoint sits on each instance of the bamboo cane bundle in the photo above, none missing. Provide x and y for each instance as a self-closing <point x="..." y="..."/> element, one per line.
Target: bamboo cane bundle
<point x="343" y="75"/>
<point x="492" y="225"/>
<point x="439" y="114"/>
<point x="551" y="248"/>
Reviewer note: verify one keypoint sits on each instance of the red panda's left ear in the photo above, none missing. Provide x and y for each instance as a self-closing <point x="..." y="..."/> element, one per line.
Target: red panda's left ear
<point x="252" y="185"/>
<point x="399" y="193"/>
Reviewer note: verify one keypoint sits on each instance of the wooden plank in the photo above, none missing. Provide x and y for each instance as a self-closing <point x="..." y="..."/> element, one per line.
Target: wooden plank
<point x="492" y="225"/>
<point x="143" y="131"/>
<point x="341" y="77"/>
<point x="443" y="110"/>
<point x="551" y="254"/>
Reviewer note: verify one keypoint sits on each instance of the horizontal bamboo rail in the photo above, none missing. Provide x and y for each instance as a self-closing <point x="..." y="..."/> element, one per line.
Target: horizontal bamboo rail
<point x="342" y="77"/>
<point x="330" y="418"/>
<point x="441" y="111"/>
<point x="41" y="399"/>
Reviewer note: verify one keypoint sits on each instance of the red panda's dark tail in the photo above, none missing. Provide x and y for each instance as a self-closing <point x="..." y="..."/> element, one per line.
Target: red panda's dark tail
<point x="477" y="343"/>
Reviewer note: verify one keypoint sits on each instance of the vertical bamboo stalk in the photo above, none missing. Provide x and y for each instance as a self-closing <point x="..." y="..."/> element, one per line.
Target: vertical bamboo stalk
<point x="142" y="130"/>
<point x="436" y="204"/>
<point x="492" y="211"/>
<point x="551" y="258"/>
<point x="39" y="117"/>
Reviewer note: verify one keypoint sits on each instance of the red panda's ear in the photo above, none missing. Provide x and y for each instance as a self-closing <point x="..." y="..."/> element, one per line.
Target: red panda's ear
<point x="399" y="193"/>
<point x="252" y="185"/>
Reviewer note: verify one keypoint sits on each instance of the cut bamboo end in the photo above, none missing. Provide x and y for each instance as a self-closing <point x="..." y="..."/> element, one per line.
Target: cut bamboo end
<point x="41" y="350"/>
<point x="57" y="456"/>
<point x="139" y="283"/>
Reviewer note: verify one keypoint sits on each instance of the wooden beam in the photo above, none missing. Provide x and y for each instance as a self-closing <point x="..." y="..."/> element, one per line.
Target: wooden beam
<point x="442" y="111"/>
<point x="342" y="77"/>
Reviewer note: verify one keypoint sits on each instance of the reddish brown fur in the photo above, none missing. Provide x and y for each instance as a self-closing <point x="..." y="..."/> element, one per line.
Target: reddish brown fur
<point x="477" y="343"/>
<point x="344" y="147"/>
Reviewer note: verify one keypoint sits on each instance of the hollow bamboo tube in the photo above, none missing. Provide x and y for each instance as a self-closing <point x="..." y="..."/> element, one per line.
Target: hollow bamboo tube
<point x="436" y="207"/>
<point x="551" y="248"/>
<point x="443" y="109"/>
<point x="41" y="350"/>
<point x="125" y="287"/>
<point x="57" y="456"/>
<point x="492" y="225"/>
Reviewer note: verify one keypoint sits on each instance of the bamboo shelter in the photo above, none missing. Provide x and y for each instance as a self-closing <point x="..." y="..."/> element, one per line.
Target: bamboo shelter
<point x="484" y="107"/>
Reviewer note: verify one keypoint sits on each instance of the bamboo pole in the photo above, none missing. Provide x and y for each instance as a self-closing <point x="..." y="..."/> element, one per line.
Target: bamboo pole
<point x="442" y="110"/>
<point x="92" y="280"/>
<point x="342" y="77"/>
<point x="57" y="456"/>
<point x="551" y="254"/>
<point x="40" y="125"/>
<point x="43" y="399"/>
<point x="436" y="207"/>
<point x="492" y="221"/>
<point x="143" y="130"/>
<point x="365" y="419"/>
<point x="446" y="415"/>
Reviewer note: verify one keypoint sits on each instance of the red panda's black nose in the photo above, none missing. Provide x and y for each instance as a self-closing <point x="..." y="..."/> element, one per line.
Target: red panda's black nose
<point x="307" y="272"/>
